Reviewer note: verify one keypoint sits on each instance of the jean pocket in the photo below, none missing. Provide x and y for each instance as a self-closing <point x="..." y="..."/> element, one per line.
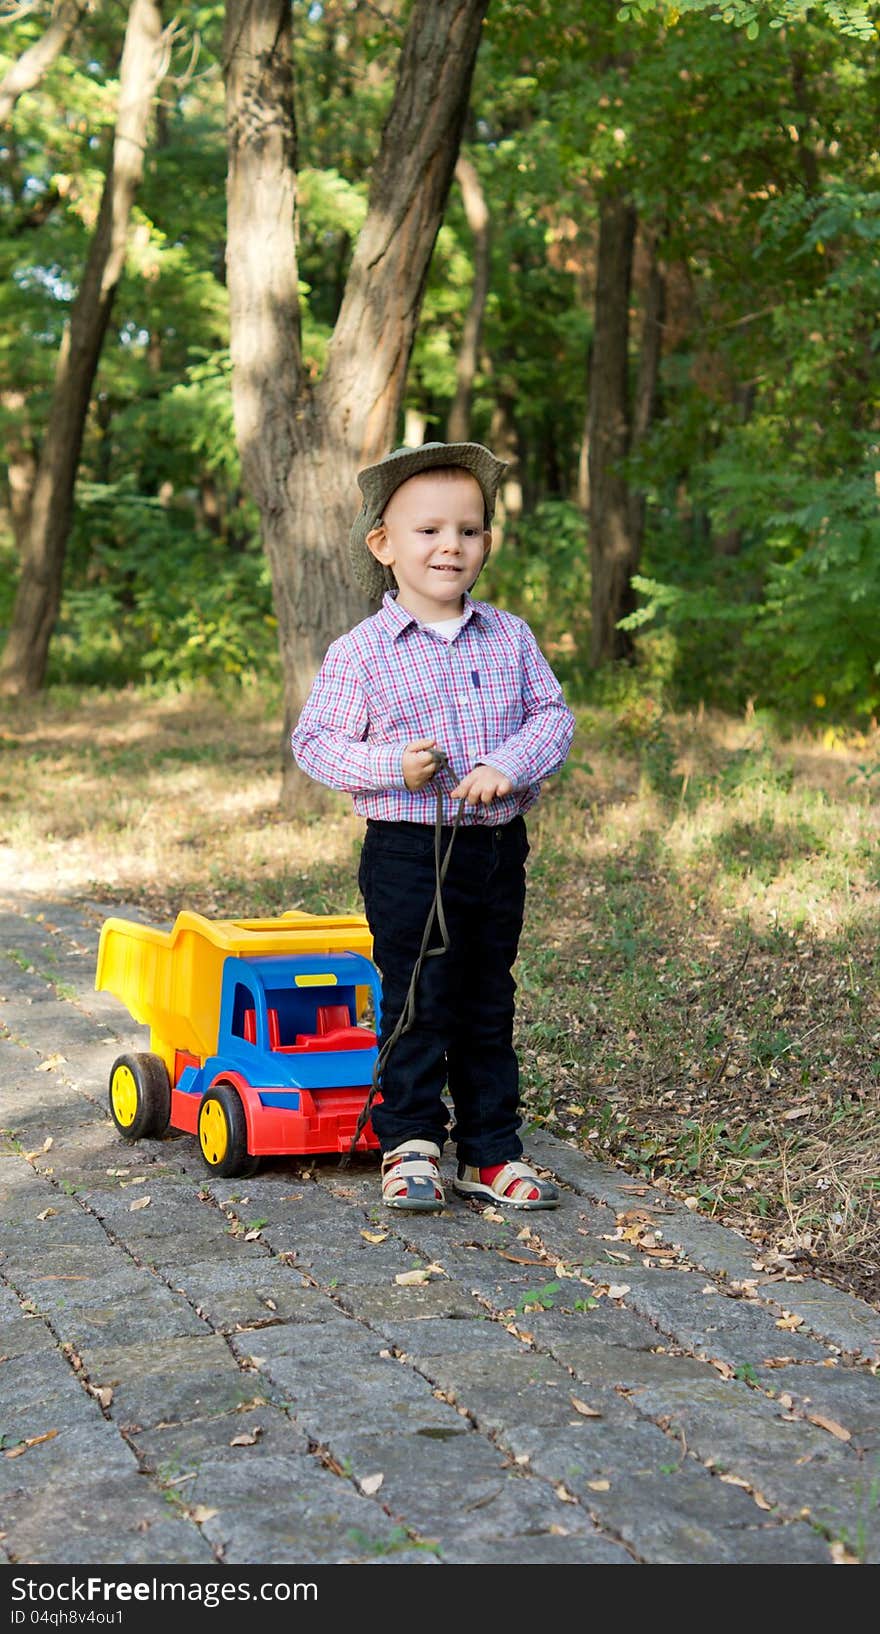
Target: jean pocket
<point x="413" y="841"/>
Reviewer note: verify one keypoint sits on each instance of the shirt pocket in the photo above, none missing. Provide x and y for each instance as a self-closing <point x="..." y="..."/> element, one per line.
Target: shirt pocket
<point x="493" y="703"/>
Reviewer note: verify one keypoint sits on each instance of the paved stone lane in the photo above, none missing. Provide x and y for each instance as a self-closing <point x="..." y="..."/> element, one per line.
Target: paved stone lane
<point x="196" y="1371"/>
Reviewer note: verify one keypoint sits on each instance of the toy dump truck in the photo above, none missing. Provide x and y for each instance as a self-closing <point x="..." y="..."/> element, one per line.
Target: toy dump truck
<point x="259" y="1043"/>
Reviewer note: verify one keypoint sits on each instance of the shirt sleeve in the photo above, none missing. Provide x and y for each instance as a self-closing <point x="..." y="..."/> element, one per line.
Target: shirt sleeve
<point x="540" y="746"/>
<point x="329" y="741"/>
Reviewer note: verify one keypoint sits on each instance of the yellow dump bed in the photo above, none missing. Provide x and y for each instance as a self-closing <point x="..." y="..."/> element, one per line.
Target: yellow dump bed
<point x="170" y="980"/>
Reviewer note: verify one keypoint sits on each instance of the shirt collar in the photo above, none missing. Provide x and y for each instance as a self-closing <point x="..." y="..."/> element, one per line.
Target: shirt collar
<point x="398" y="619"/>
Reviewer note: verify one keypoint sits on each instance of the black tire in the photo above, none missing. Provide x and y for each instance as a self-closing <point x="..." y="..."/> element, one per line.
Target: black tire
<point x="222" y="1132"/>
<point x="140" y="1096"/>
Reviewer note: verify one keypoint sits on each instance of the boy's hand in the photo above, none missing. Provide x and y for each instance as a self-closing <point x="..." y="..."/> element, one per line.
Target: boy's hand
<point x="482" y="784"/>
<point x="419" y="765"/>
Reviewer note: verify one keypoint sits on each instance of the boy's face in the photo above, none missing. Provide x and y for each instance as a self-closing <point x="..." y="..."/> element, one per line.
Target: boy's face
<point x="432" y="536"/>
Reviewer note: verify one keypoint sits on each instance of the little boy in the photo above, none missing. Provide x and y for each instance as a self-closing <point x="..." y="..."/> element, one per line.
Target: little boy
<point x="434" y="669"/>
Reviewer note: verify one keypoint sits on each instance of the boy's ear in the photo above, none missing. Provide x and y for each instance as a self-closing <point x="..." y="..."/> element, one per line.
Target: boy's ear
<point x="377" y="544"/>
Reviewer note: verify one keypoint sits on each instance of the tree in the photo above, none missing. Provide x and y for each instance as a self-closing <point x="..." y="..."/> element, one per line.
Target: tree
<point x="458" y="425"/>
<point x="302" y="442"/>
<point x="39" y="56"/>
<point x="144" y="57"/>
<point x="613" y="557"/>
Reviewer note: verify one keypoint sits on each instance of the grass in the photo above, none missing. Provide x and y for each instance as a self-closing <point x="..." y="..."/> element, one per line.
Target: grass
<point x="698" y="975"/>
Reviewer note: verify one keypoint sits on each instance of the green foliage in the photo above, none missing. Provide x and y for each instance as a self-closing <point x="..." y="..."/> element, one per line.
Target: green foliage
<point x="541" y="572"/>
<point x="857" y="21"/>
<point x="544" y="1297"/>
<point x="153" y="594"/>
<point x="749" y="152"/>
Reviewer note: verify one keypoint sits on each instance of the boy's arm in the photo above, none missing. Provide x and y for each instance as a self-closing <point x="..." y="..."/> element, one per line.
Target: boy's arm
<point x="541" y="744"/>
<point x="328" y="741"/>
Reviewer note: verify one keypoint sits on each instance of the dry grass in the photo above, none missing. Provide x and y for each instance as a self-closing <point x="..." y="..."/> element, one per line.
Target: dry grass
<point x="698" y="980"/>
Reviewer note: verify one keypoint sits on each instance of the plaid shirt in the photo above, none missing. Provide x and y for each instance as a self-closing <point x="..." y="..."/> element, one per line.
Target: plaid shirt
<point x="489" y="696"/>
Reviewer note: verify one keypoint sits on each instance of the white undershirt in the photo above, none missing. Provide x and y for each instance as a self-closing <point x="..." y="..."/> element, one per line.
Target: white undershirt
<point x="447" y="627"/>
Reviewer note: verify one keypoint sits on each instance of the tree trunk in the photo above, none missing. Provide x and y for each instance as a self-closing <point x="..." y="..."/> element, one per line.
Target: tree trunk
<point x="39" y="57"/>
<point x="302" y="445"/>
<point x="612" y="553"/>
<point x="23" y="667"/>
<point x="648" y="380"/>
<point x="21" y="464"/>
<point x="458" y="427"/>
<point x="505" y="443"/>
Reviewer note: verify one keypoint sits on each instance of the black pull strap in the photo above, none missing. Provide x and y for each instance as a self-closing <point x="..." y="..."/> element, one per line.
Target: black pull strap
<point x="408" y="1013"/>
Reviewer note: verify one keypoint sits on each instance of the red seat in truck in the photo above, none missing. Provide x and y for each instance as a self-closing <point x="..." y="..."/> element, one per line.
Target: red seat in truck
<point x="250" y="1028"/>
<point x="334" y="1031"/>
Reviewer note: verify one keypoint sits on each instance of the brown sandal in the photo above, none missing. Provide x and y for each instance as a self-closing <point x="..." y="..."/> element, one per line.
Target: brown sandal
<point x="411" y="1178"/>
<point x="515" y="1184"/>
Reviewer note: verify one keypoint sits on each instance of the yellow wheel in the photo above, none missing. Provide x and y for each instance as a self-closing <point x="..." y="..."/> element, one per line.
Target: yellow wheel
<point x="123" y="1096"/>
<point x="140" y="1096"/>
<point x="222" y="1131"/>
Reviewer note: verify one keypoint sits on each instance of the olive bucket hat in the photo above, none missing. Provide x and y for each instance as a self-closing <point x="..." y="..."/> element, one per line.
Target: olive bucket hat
<point x="378" y="482"/>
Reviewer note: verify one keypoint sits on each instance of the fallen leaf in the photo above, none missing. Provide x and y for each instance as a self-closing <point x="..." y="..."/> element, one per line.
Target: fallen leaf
<point x="492" y="1214"/>
<point x="564" y="1495"/>
<point x="31" y="1441"/>
<point x="138" y="1202"/>
<point x="248" y="1438"/>
<point x="47" y="1065"/>
<point x="617" y="1290"/>
<point x="47" y="1213"/>
<point x="371" y="1483"/>
<point x="724" y="1368"/>
<point x="408" y="1278"/>
<point x="102" y="1393"/>
<point x="200" y="1514"/>
<point x="599" y="1486"/>
<point x="790" y="1321"/>
<point x="734" y="1480"/>
<point x="251" y="1236"/>
<point x="581" y="1407"/>
<point x="760" y="1500"/>
<point x="374" y="1236"/>
<point x="796" y="1112"/>
<point x="745" y="1289"/>
<point x="49" y="1142"/>
<point x="271" y="1304"/>
<point x="830" y="1425"/>
<point x="613" y="1255"/>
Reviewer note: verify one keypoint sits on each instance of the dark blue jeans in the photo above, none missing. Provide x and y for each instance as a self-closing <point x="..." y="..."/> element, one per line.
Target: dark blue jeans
<point x="462" y="1036"/>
